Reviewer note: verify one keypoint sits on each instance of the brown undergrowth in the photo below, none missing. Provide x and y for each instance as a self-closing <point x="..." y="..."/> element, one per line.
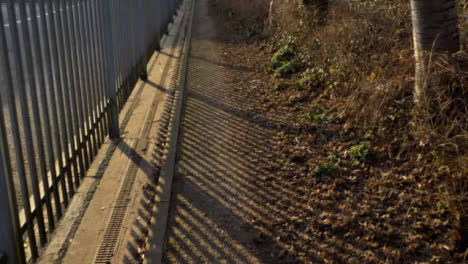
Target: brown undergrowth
<point x="386" y="185"/>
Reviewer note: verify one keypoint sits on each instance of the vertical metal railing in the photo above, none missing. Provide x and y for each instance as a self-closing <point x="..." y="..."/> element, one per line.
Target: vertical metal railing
<point x="9" y="227"/>
<point x="67" y="68"/>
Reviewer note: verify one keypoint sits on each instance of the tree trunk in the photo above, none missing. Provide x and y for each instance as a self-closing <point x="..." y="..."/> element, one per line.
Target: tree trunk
<point x="434" y="30"/>
<point x="270" y="13"/>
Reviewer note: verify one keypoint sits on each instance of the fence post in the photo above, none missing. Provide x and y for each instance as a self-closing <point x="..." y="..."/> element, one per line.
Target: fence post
<point x="11" y="246"/>
<point x="143" y="34"/>
<point x="164" y="24"/>
<point x="156" y="24"/>
<point x="114" y="131"/>
<point x="160" y="18"/>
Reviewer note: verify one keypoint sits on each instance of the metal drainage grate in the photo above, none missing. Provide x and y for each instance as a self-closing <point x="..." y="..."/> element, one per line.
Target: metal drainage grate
<point x="106" y="250"/>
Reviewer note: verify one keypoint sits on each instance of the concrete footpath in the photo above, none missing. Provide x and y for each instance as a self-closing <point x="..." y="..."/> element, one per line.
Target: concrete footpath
<point x="107" y="221"/>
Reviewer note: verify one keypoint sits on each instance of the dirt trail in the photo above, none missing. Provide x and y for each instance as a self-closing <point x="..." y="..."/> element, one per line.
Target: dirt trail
<point x="216" y="197"/>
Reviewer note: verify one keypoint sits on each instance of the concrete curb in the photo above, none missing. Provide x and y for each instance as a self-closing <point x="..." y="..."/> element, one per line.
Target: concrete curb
<point x="160" y="212"/>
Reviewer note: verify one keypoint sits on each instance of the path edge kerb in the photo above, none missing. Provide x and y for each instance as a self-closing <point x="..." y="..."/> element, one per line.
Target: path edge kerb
<point x="160" y="212"/>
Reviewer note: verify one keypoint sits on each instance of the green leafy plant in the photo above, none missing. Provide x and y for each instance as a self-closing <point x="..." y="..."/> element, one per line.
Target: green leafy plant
<point x="287" y="68"/>
<point x="285" y="53"/>
<point x="318" y="114"/>
<point x="363" y="152"/>
<point x="314" y="77"/>
<point x="325" y="168"/>
<point x="281" y="85"/>
<point x="333" y="158"/>
<point x="283" y="61"/>
<point x="318" y="78"/>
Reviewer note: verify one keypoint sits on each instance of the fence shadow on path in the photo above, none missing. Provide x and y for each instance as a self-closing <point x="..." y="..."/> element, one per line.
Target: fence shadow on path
<point x="225" y="204"/>
<point x="225" y="201"/>
<point x="218" y="196"/>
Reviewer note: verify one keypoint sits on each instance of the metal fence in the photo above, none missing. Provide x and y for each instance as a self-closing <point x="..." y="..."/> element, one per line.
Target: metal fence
<point x="66" y="69"/>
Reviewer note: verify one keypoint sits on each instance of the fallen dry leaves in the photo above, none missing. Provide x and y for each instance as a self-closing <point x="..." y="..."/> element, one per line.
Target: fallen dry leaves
<point x="390" y="210"/>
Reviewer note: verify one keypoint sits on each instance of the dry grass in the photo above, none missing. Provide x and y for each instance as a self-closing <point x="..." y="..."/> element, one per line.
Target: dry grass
<point x="363" y="52"/>
<point x="365" y="47"/>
